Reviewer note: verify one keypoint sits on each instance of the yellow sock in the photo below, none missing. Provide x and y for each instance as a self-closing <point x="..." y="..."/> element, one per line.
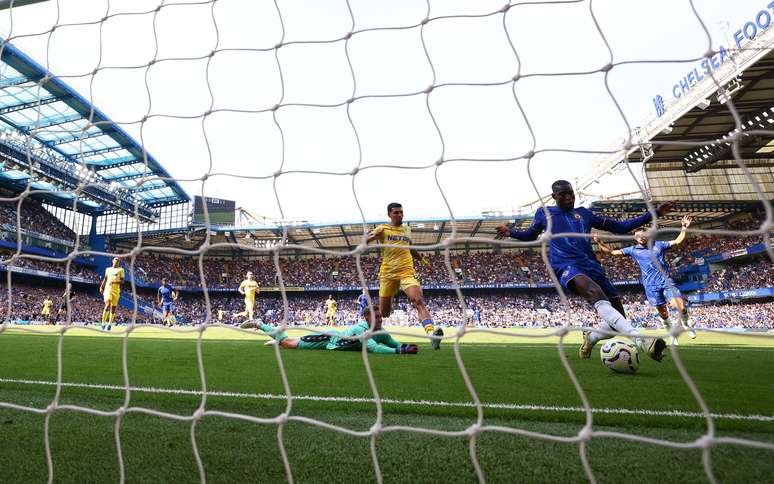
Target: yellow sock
<point x="112" y="318"/>
<point x="104" y="316"/>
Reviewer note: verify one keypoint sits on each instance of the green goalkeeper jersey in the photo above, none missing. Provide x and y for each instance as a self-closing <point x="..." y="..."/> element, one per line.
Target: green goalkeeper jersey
<point x="345" y="341"/>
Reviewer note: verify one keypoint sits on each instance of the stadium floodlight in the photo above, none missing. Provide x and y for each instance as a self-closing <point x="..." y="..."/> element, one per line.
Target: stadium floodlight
<point x="704" y="104"/>
<point x="667" y="129"/>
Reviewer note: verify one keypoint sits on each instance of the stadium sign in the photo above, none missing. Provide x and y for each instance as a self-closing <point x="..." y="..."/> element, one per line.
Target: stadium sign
<point x="743" y="294"/>
<point x="747" y="32"/>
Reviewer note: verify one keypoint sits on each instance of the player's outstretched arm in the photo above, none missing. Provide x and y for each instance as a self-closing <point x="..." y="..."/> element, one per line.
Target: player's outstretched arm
<point x="386" y="339"/>
<point x="403" y="349"/>
<point x="625" y="226"/>
<point x="685" y="223"/>
<point x="375" y="234"/>
<point x="606" y="248"/>
<point x="537" y="227"/>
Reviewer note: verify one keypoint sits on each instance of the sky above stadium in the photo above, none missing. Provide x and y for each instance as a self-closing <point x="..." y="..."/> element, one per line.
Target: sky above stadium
<point x="241" y="146"/>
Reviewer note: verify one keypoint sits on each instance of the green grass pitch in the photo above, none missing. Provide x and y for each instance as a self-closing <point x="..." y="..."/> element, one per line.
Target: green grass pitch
<point x="520" y="380"/>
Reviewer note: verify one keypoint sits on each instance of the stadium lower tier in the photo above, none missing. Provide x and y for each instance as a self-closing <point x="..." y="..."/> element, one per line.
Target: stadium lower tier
<point x="480" y="308"/>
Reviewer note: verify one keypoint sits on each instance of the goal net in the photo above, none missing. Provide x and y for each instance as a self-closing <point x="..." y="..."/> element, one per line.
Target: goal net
<point x="195" y="141"/>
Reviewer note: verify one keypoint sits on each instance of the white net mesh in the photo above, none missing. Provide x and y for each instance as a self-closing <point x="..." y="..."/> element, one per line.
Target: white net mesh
<point x="278" y="42"/>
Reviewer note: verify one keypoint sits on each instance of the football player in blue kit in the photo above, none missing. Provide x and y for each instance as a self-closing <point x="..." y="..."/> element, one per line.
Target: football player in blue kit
<point x="578" y="269"/>
<point x="165" y="300"/>
<point x="654" y="274"/>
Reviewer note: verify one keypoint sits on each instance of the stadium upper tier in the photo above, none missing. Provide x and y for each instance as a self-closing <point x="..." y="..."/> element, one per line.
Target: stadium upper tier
<point x="467" y="232"/>
<point x="72" y="144"/>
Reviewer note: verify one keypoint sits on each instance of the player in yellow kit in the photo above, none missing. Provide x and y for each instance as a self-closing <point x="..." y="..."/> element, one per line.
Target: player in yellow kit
<point x="331" y="306"/>
<point x="111" y="291"/>
<point x="45" y="313"/>
<point x="249" y="288"/>
<point x="397" y="269"/>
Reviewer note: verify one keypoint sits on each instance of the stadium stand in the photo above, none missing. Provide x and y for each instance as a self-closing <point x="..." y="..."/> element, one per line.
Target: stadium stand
<point x="34" y="218"/>
<point x="485" y="309"/>
<point x="749" y="275"/>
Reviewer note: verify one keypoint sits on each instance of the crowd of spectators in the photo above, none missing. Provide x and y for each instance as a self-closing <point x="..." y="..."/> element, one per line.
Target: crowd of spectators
<point x="35" y="218"/>
<point x="27" y="304"/>
<point x="520" y="267"/>
<point x="485" y="310"/>
<point x="76" y="269"/>
<point x="507" y="267"/>
<point x="751" y="275"/>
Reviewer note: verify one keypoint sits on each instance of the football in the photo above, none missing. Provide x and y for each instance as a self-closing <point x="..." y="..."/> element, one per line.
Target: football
<point x="620" y="355"/>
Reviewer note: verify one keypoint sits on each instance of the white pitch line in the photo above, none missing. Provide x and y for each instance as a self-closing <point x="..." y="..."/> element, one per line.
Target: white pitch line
<point x="430" y="403"/>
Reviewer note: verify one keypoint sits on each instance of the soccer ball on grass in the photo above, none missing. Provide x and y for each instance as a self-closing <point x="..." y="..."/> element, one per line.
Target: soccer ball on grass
<point x="620" y="355"/>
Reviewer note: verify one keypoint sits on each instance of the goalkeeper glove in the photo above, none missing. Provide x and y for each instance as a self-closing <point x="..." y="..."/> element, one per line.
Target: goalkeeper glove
<point x="407" y="349"/>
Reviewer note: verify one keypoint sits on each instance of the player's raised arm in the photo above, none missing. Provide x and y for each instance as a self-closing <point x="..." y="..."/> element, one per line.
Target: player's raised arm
<point x="625" y="226"/>
<point x="606" y="248"/>
<point x="375" y="234"/>
<point x="537" y="227"/>
<point x="685" y="223"/>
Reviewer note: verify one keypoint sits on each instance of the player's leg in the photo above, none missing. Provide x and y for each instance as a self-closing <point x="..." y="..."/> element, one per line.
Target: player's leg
<point x="596" y="292"/>
<point x="663" y="312"/>
<point x="114" y="296"/>
<point x="106" y="310"/>
<point x="657" y="299"/>
<point x="616" y="302"/>
<point x="242" y="314"/>
<point x="678" y="303"/>
<point x="413" y="291"/>
<point x="249" y="308"/>
<point x="387" y="290"/>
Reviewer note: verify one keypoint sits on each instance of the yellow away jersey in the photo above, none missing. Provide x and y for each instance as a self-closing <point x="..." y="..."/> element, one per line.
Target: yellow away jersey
<point x="250" y="288"/>
<point x="396" y="262"/>
<point x="47" y="304"/>
<point x="114" y="277"/>
<point x="221" y="313"/>
<point x="331" y="303"/>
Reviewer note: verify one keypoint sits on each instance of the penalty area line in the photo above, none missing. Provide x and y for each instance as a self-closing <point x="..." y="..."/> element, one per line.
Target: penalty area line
<point x="390" y="401"/>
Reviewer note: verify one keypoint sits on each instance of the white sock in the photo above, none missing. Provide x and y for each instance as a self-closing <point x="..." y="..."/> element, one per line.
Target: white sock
<point x="614" y="321"/>
<point x="684" y="318"/>
<point x="595" y="336"/>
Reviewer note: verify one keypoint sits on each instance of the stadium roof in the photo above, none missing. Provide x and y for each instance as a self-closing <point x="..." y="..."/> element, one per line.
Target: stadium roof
<point x="345" y="236"/>
<point x="753" y="100"/>
<point x="701" y="165"/>
<point x="71" y="142"/>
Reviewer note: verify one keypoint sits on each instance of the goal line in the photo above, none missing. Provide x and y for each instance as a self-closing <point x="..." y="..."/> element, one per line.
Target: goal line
<point x="391" y="401"/>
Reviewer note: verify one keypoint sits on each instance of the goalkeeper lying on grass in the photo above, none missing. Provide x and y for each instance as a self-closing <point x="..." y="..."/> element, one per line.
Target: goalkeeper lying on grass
<point x="342" y="340"/>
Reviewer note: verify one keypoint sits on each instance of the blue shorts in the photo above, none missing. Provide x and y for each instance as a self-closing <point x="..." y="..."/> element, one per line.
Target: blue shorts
<point x="167" y="307"/>
<point x="660" y="295"/>
<point x="596" y="274"/>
